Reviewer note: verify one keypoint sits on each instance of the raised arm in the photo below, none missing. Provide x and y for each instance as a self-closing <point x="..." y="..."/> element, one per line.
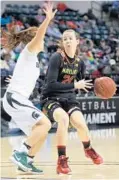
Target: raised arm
<point x="37" y="43"/>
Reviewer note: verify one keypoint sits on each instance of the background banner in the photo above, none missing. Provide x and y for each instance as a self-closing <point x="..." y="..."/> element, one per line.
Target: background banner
<point x="98" y="111"/>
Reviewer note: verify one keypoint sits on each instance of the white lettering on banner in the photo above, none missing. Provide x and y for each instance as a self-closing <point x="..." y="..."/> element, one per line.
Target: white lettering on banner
<point x="83" y="105"/>
<point x="90" y="105"/>
<point x="100" y="118"/>
<point x="113" y="105"/>
<point x="96" y="105"/>
<point x="102" y="105"/>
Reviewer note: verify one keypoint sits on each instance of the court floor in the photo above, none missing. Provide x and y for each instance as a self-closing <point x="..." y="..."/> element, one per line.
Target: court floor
<point x="105" y="141"/>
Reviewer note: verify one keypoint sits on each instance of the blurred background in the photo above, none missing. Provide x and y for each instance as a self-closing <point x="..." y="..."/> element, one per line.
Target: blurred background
<point x="98" y="26"/>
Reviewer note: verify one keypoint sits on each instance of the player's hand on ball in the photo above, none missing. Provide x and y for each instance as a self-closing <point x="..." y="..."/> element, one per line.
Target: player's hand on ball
<point x="83" y="84"/>
<point x="48" y="10"/>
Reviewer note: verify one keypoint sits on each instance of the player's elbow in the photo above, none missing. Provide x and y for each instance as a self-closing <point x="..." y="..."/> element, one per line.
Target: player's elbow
<point x="51" y="86"/>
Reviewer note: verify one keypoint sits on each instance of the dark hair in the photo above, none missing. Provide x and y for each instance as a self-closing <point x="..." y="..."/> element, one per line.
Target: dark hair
<point x="13" y="38"/>
<point x="60" y="44"/>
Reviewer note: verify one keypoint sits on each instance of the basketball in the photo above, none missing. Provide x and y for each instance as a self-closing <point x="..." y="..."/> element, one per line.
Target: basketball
<point x="104" y="87"/>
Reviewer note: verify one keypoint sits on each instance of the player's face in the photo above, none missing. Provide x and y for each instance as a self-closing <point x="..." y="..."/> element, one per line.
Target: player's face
<point x="69" y="40"/>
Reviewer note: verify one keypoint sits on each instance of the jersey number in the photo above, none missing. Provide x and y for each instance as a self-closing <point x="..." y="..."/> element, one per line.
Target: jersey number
<point x="67" y="79"/>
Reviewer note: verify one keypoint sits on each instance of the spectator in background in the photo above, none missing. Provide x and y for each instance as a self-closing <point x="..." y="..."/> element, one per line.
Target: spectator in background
<point x="52" y="47"/>
<point x="32" y="21"/>
<point x="90" y="15"/>
<point x="111" y="69"/>
<point x="87" y="24"/>
<point x="5" y="19"/>
<point x="61" y="7"/>
<point x="114" y="10"/>
<point x="71" y="25"/>
<point x="116" y="56"/>
<point x="104" y="47"/>
<point x="115" y="5"/>
<point x="15" y="22"/>
<point x="54" y="31"/>
<point x="88" y="58"/>
<point x="8" y="63"/>
<point x="40" y="17"/>
<point x="4" y="68"/>
<point x="42" y="56"/>
<point x="5" y="51"/>
<point x="112" y="31"/>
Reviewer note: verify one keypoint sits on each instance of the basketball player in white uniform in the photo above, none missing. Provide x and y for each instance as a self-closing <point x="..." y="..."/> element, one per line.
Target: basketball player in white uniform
<point x="16" y="100"/>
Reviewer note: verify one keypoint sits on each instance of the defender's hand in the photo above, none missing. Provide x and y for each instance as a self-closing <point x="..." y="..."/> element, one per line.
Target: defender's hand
<point x="48" y="10"/>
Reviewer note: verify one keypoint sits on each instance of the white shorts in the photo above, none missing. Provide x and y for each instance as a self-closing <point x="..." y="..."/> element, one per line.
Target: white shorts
<point x="22" y="111"/>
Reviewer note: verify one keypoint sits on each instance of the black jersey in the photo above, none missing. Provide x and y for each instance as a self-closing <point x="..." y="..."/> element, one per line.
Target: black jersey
<point x="61" y="74"/>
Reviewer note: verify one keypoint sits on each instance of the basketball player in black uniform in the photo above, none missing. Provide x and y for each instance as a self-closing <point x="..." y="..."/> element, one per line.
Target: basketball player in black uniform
<point x="64" y="76"/>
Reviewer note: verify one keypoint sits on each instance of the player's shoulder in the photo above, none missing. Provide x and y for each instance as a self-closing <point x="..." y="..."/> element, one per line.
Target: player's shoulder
<point x="55" y="59"/>
<point x="56" y="55"/>
<point x="80" y="61"/>
<point x="28" y="52"/>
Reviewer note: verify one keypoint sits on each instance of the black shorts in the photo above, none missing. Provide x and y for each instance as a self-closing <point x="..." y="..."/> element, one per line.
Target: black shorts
<point x="50" y="104"/>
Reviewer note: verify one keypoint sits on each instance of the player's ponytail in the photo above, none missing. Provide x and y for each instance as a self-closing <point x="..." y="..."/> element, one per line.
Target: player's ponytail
<point x="12" y="39"/>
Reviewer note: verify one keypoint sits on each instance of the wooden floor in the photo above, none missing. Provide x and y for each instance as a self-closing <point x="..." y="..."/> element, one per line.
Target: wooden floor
<point x="105" y="141"/>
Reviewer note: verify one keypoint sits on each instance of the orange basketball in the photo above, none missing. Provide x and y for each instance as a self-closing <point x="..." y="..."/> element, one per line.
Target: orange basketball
<point x="104" y="87"/>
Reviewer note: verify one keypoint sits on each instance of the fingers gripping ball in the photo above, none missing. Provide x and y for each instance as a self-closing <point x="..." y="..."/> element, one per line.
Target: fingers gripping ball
<point x="104" y="87"/>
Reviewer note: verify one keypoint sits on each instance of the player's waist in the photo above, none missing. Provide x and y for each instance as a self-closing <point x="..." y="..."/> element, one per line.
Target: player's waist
<point x="22" y="92"/>
<point x="58" y="96"/>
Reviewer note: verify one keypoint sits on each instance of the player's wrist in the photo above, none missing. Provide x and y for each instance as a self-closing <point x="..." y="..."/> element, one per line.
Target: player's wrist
<point x="76" y="85"/>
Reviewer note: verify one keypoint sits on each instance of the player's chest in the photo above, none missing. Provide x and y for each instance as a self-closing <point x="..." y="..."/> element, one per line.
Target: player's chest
<point x="68" y="72"/>
<point x="69" y="69"/>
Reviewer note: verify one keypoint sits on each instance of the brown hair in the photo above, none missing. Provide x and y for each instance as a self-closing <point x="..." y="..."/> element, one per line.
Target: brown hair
<point x="11" y="39"/>
<point x="60" y="44"/>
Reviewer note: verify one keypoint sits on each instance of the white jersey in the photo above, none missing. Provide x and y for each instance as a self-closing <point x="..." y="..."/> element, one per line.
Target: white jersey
<point x="25" y="74"/>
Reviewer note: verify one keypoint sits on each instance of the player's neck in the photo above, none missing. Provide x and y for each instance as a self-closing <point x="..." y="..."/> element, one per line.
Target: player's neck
<point x="70" y="53"/>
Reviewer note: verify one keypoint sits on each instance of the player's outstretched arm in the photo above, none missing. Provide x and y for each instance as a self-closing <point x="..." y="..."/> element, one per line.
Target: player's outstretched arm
<point x="36" y="44"/>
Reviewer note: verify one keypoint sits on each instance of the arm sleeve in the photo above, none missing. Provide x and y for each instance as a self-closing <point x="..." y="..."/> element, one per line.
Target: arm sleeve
<point x="53" y="72"/>
<point x="81" y="71"/>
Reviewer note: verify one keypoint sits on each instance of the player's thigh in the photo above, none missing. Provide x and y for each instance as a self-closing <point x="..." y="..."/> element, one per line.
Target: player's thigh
<point x="23" y="112"/>
<point x="55" y="112"/>
<point x="77" y="119"/>
<point x="75" y="115"/>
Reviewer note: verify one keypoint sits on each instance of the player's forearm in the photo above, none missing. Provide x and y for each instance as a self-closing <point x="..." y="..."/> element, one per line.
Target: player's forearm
<point x="37" y="44"/>
<point x="57" y="86"/>
<point x="42" y="29"/>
